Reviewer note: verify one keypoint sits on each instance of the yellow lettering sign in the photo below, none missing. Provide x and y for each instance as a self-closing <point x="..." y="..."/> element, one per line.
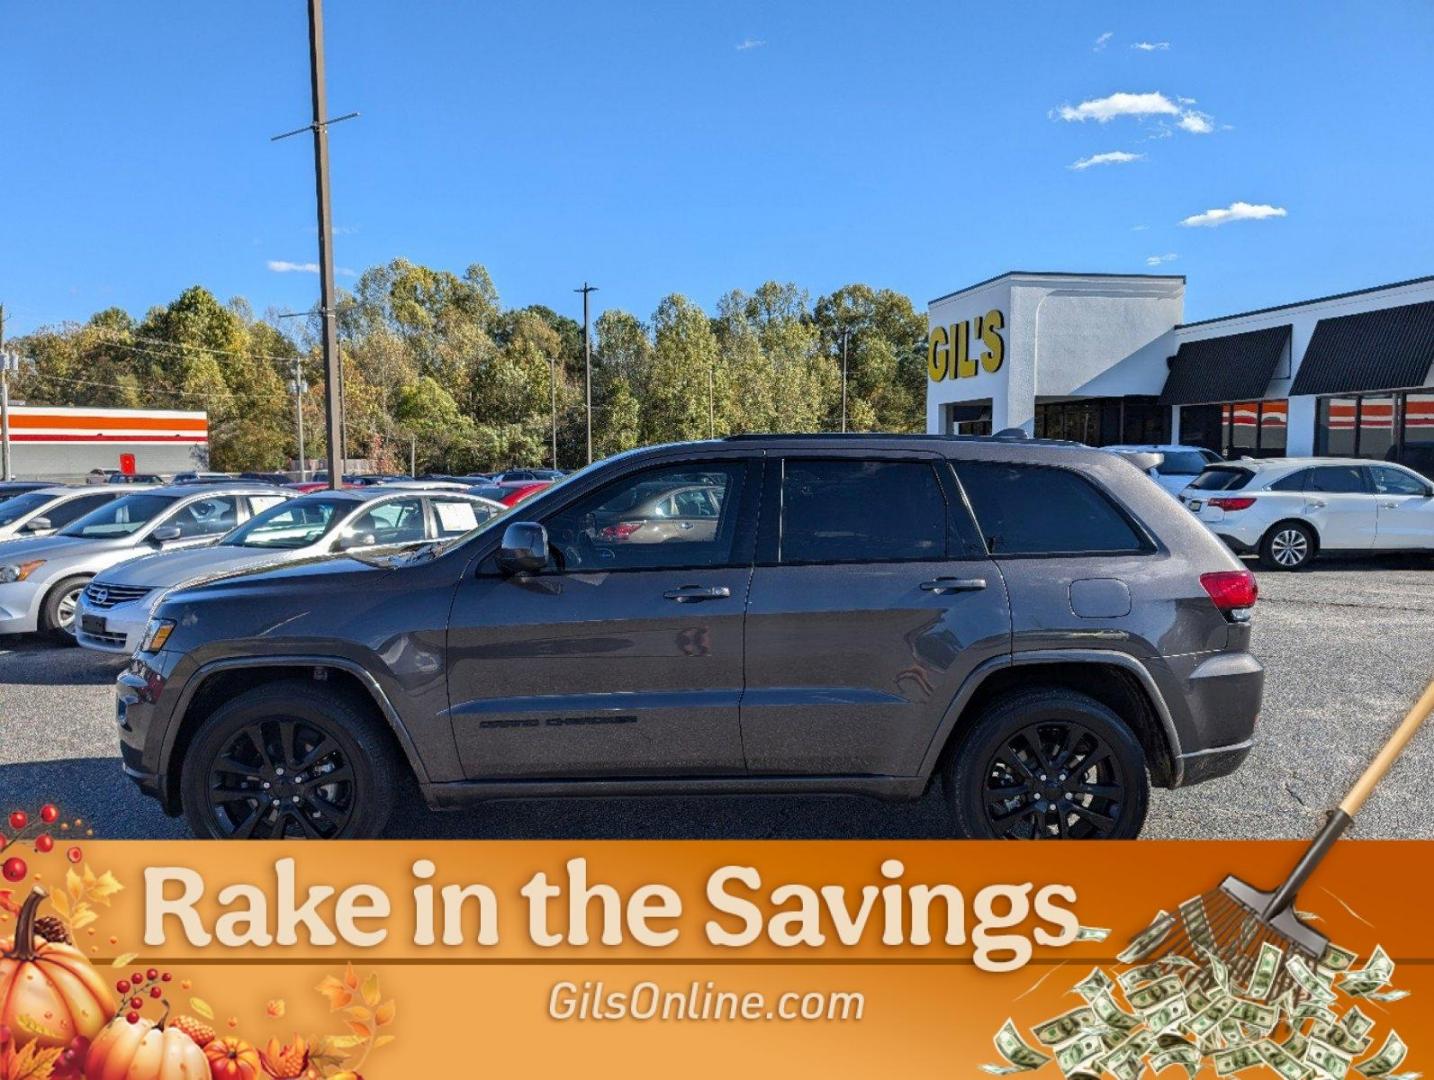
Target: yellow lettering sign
<point x="937" y="354"/>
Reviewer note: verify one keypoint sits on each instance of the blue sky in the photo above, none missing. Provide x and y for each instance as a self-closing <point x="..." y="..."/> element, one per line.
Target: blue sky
<point x="697" y="147"/>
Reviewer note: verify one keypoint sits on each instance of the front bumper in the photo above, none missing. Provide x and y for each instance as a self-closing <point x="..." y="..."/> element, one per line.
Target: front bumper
<point x="119" y="629"/>
<point x="138" y="720"/>
<point x="20" y="606"/>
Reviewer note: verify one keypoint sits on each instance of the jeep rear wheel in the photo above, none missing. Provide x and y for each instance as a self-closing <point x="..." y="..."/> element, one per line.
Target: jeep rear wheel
<point x="288" y="761"/>
<point x="1047" y="764"/>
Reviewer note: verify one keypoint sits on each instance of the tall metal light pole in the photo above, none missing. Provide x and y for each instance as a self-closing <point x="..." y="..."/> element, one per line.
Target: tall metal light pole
<point x="298" y="387"/>
<point x="845" y="334"/>
<point x="7" y="360"/>
<point x="587" y="365"/>
<point x="333" y="369"/>
<point x="553" y="392"/>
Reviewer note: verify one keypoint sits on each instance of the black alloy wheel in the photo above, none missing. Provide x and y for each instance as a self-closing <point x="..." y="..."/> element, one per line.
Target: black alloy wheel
<point x="289" y="760"/>
<point x="1048" y="764"/>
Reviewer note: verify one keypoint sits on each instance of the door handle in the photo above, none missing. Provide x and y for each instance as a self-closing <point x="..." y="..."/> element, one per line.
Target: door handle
<point x="954" y="584"/>
<point x="1390" y="505"/>
<point x="1315" y="504"/>
<point x="691" y="594"/>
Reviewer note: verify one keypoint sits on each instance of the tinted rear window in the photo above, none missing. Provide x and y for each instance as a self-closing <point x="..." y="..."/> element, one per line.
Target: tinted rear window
<point x="1039" y="510"/>
<point x="1219" y="478"/>
<point x="1296" y="481"/>
<point x="1338" y="480"/>
<point x="861" y="511"/>
<point x="1182" y="463"/>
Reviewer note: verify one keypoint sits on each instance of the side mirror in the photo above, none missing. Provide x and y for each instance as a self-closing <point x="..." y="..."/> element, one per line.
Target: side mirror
<point x="352" y="540"/>
<point x="166" y="533"/>
<point x="38" y="524"/>
<point x="524" y="548"/>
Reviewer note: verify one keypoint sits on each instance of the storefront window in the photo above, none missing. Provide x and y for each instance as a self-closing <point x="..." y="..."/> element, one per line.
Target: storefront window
<point x="1238" y="429"/>
<point x="1242" y="421"/>
<point x="1274" y="428"/>
<point x="1103" y="421"/>
<point x="1336" y="429"/>
<point x="1418" y="442"/>
<point x="1392" y="426"/>
<point x="1201" y="425"/>
<point x="1376" y="427"/>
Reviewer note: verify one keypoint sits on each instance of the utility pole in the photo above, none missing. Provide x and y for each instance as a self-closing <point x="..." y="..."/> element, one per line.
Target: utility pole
<point x="712" y="399"/>
<point x="298" y="387"/>
<point x="413" y="455"/>
<point x="845" y="334"/>
<point x="553" y="391"/>
<point x="7" y="360"/>
<point x="333" y="369"/>
<point x="587" y="365"/>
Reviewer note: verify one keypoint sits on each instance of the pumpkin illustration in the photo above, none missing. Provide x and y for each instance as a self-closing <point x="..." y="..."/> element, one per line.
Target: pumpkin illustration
<point x="232" y="1059"/>
<point x="49" y="993"/>
<point x="144" y="1050"/>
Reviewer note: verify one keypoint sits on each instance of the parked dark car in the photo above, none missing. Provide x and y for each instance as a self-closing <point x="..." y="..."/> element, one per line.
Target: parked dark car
<point x="10" y="488"/>
<point x="1038" y="625"/>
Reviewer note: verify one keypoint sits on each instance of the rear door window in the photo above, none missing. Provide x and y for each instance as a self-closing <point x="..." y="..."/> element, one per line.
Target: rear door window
<point x="1042" y="510"/>
<point x="1296" y="481"/>
<point x="1339" y="480"/>
<point x="840" y="510"/>
<point x="74" y="509"/>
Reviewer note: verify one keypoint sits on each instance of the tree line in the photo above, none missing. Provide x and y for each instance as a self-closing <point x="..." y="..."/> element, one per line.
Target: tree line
<point x="432" y="356"/>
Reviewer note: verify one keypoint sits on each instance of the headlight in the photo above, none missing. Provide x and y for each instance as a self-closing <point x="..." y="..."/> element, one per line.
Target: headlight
<point x="156" y="634"/>
<point x="19" y="571"/>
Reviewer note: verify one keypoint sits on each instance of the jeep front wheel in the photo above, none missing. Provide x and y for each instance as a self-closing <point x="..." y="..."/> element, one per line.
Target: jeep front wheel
<point x="1047" y="764"/>
<point x="288" y="761"/>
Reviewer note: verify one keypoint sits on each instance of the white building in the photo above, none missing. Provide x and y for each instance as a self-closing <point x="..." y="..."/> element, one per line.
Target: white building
<point x="1105" y="358"/>
<point x="63" y="444"/>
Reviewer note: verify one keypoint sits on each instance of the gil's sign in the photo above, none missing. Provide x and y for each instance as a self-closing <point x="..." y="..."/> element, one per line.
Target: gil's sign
<point x="951" y="351"/>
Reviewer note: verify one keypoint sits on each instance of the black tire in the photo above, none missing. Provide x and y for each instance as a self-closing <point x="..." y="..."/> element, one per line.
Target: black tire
<point x="993" y="776"/>
<point x="1289" y="545"/>
<point x="233" y="785"/>
<point x="57" y="616"/>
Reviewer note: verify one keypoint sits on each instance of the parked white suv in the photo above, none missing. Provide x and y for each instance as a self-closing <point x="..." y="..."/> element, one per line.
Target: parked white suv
<point x="1288" y="510"/>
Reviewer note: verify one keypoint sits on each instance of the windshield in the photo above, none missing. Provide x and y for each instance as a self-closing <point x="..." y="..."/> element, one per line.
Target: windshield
<point x="12" y="510"/>
<point x="294" y="524"/>
<point x="1182" y="463"/>
<point x="121" y="517"/>
<point x="1219" y="478"/>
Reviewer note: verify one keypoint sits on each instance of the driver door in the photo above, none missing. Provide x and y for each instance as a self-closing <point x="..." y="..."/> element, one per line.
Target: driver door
<point x="622" y="657"/>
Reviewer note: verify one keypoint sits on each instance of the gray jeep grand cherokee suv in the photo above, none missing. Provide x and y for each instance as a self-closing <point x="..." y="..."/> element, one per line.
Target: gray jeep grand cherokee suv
<point x="1038" y="624"/>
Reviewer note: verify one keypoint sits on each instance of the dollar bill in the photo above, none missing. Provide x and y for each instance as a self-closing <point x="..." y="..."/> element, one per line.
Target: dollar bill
<point x="1209" y="1018"/>
<point x="1267" y="966"/>
<point x="1355" y="1022"/>
<point x="1257" y="1015"/>
<point x="1236" y="1059"/>
<point x="1014" y="1049"/>
<point x="1065" y="1027"/>
<point x="1387" y="995"/>
<point x="1151" y="996"/>
<point x="1097" y="982"/>
<point x="1219" y="973"/>
<point x="1391" y="1055"/>
<point x="1112" y="1015"/>
<point x="1197" y="923"/>
<point x="1084" y="1049"/>
<point x="1336" y="959"/>
<point x="1282" y="1061"/>
<point x="1149" y="939"/>
<point x="1142" y="973"/>
<point x="1327" y="1059"/>
<point x="1296" y="1044"/>
<point x="1185" y="1055"/>
<point x="1308" y="981"/>
<point x="1375" y="974"/>
<point x="1197" y="998"/>
<point x="1092" y="933"/>
<point x="1168" y="1015"/>
<point x="1340" y="1037"/>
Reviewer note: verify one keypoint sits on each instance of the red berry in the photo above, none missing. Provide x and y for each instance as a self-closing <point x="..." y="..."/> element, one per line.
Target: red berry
<point x="165" y="977"/>
<point x="155" y="992"/>
<point x="49" y="813"/>
<point x="137" y="978"/>
<point x="122" y="986"/>
<point x="136" y="1003"/>
<point x="74" y="854"/>
<point x="15" y="869"/>
<point x="152" y="974"/>
<point x="19" y="819"/>
<point x="132" y="1017"/>
<point x="44" y="843"/>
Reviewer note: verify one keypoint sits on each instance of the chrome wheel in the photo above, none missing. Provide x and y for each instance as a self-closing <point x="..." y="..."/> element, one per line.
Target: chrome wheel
<point x="1290" y="548"/>
<point x="65" y="609"/>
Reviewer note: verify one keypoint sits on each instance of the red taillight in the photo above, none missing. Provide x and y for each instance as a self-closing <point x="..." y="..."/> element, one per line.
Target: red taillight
<point x="621" y="531"/>
<point x="1231" y="502"/>
<point x="1231" y="589"/>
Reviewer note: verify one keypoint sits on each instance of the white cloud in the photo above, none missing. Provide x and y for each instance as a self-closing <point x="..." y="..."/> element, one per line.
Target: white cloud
<point x="1196" y="122"/>
<point x="283" y="266"/>
<point x="1236" y="211"/>
<point x="1102" y="41"/>
<point x="1186" y="100"/>
<point x="1119" y="104"/>
<point x="1139" y="228"/>
<point x="1112" y="157"/>
<point x="749" y="43"/>
<point x="1151" y="46"/>
<point x="1160" y="260"/>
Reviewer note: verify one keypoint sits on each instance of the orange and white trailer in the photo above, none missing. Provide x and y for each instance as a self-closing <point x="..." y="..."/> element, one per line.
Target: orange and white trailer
<point x="66" y="443"/>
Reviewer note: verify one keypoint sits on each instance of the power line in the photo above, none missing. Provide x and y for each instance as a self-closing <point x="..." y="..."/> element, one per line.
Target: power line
<point x="120" y="386"/>
<point x="112" y="336"/>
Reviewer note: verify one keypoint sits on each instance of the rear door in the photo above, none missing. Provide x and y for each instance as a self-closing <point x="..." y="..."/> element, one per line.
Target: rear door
<point x="1340" y="503"/>
<point x="871" y="603"/>
<point x="1405" y="509"/>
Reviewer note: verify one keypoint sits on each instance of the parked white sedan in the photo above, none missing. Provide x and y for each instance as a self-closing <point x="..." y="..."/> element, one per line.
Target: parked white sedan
<point x="115" y="608"/>
<point x="1289" y="510"/>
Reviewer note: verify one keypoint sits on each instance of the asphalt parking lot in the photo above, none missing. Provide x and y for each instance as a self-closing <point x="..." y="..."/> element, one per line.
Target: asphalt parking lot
<point x="1348" y="646"/>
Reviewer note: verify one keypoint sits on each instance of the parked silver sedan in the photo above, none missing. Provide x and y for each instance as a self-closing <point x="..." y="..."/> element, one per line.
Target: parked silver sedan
<point x="41" y="579"/>
<point x="115" y="609"/>
<point x="47" y="510"/>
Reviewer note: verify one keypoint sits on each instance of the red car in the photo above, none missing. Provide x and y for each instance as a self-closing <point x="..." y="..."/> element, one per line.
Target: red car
<point x="511" y="493"/>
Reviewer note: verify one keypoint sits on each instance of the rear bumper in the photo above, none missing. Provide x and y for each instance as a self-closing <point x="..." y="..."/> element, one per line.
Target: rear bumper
<point x="1235" y="544"/>
<point x="1222" y="695"/>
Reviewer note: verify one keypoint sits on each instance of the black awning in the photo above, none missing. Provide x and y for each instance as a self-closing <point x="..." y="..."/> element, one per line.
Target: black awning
<point x="1235" y="367"/>
<point x="1387" y="349"/>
